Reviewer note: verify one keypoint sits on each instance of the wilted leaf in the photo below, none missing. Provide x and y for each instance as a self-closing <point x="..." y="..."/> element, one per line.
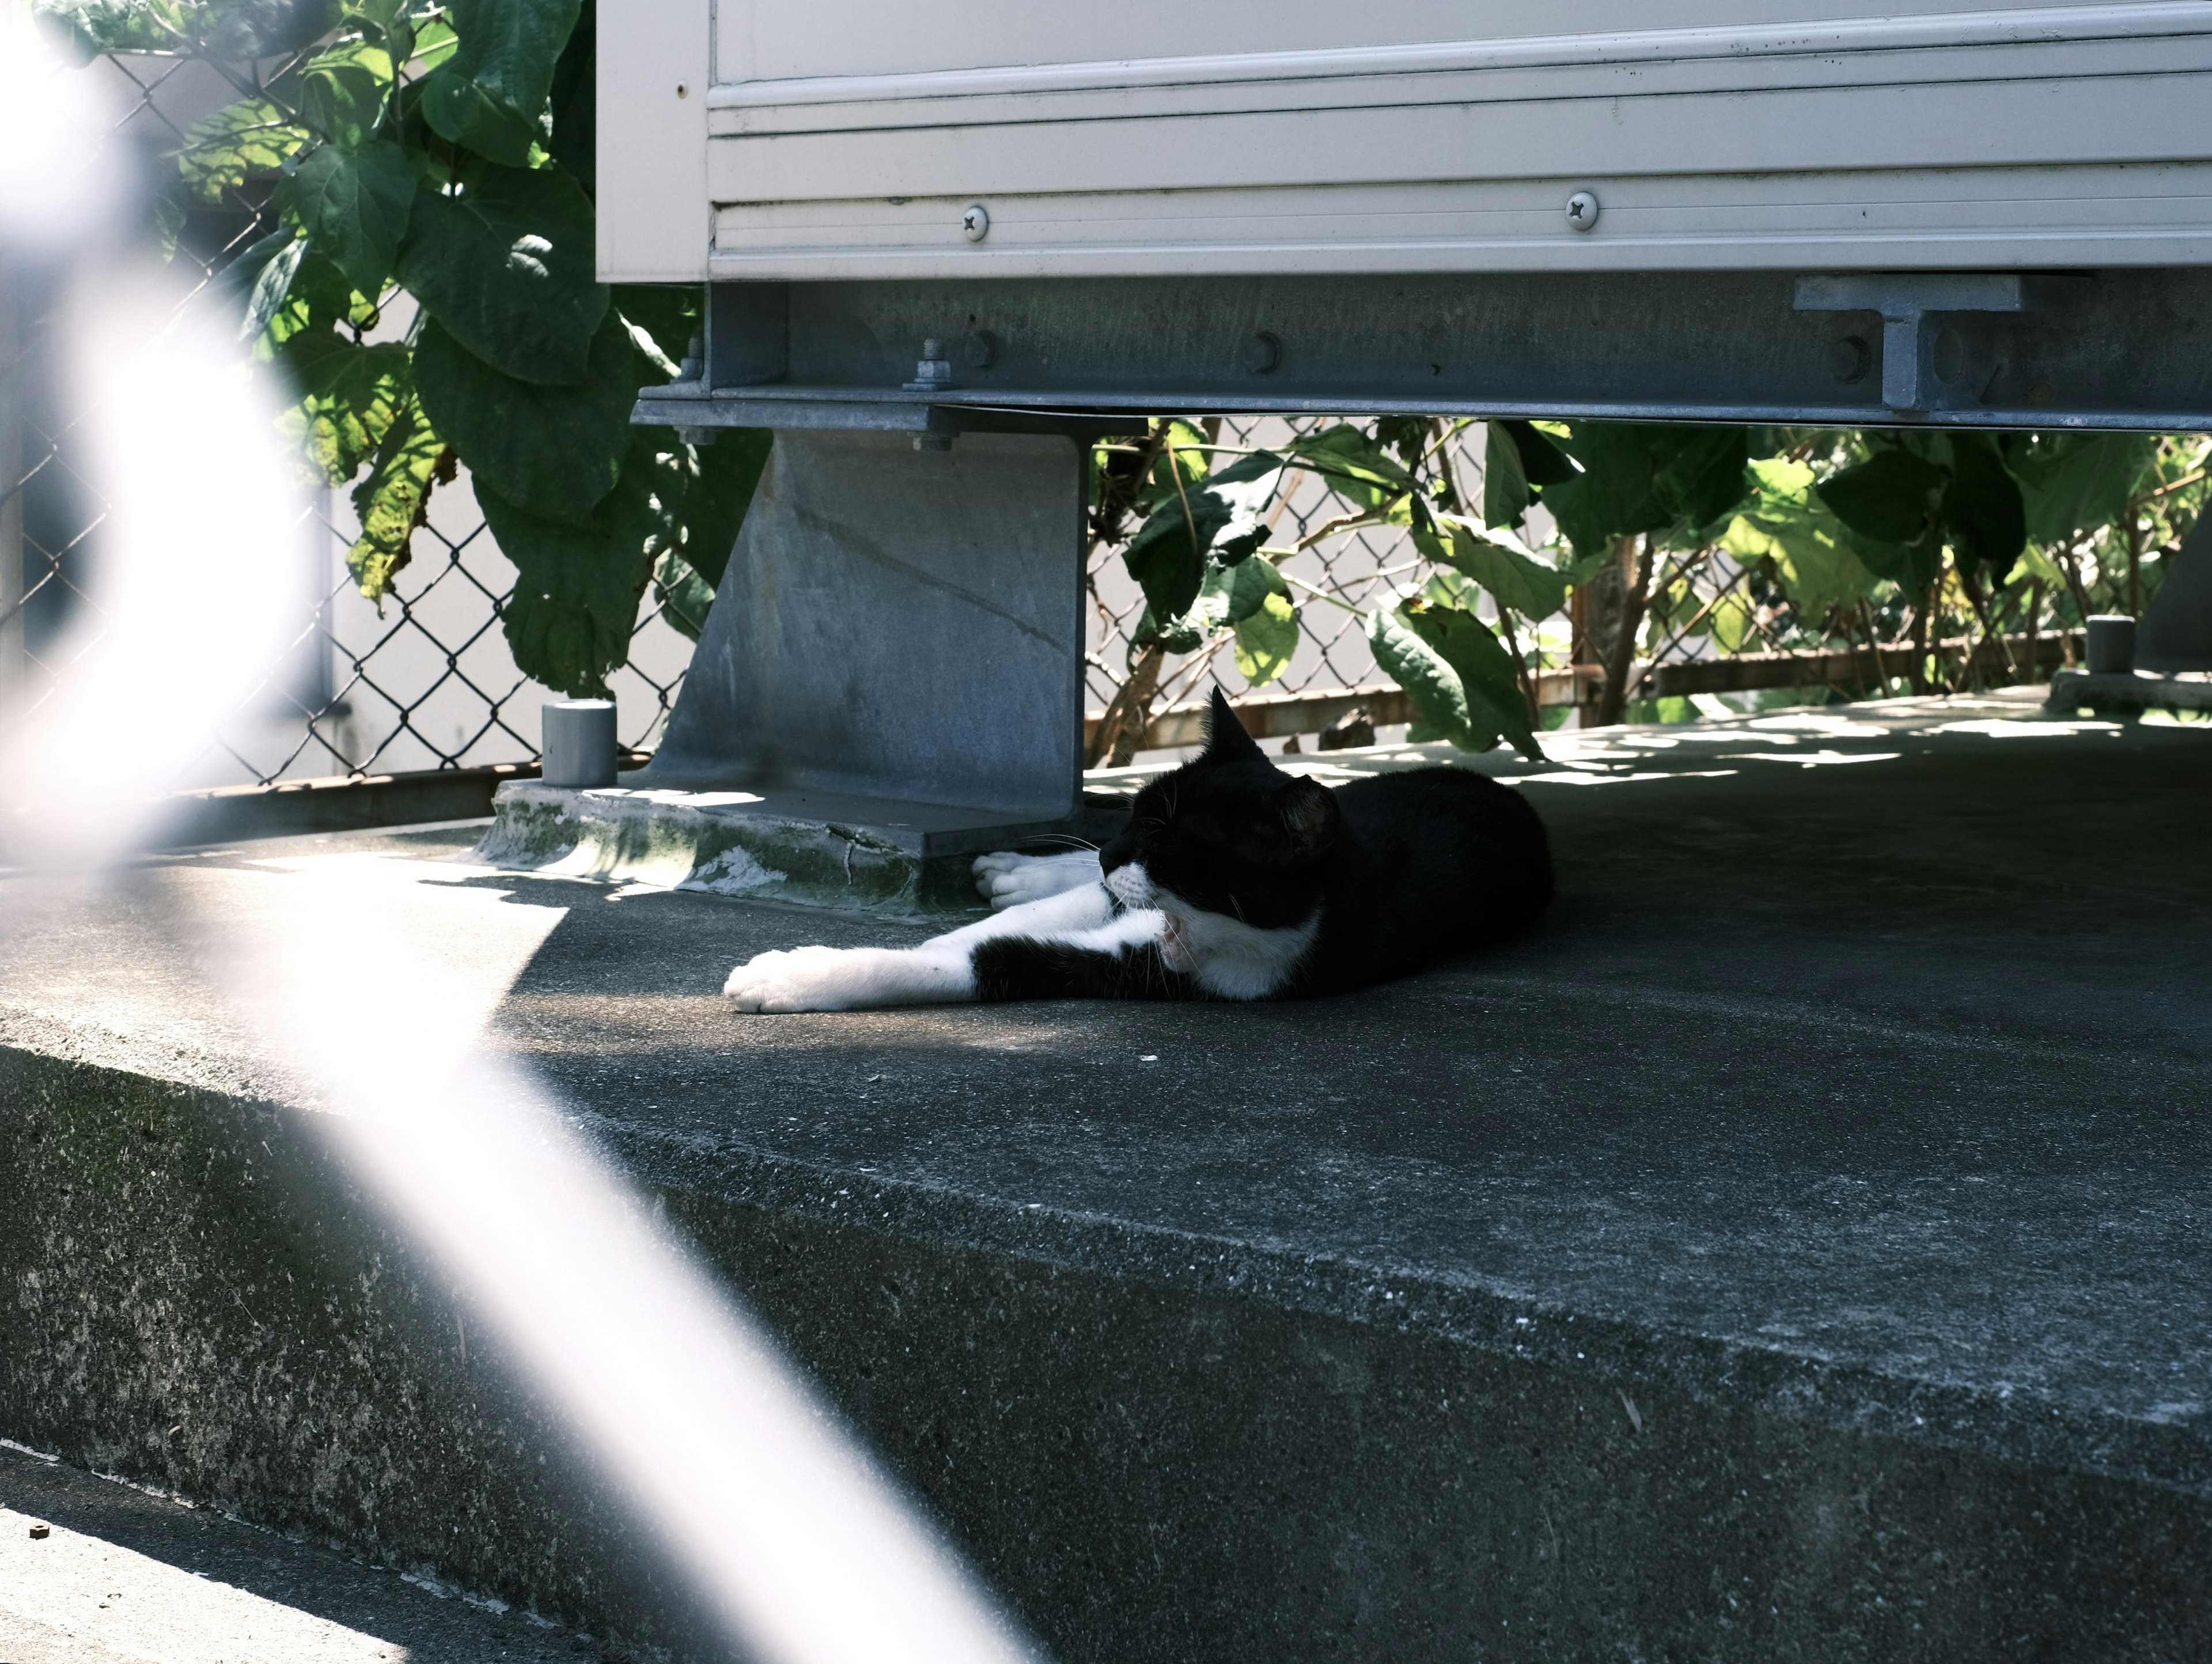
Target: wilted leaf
<point x="557" y="449"/>
<point x="507" y="266"/>
<point x="244" y="141"/>
<point x="390" y="500"/>
<point x="351" y="396"/>
<point x="355" y="206"/>
<point x="577" y="587"/>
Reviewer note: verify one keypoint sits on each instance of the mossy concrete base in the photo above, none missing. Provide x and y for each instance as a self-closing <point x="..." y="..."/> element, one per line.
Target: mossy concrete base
<point x="814" y="849"/>
<point x="2129" y="691"/>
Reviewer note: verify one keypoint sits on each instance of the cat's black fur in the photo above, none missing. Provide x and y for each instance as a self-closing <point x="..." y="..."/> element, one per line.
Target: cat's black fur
<point x="1407" y="870"/>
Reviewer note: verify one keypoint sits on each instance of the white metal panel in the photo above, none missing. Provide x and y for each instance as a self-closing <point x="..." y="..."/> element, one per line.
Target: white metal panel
<point x="655" y="58"/>
<point x="847" y="137"/>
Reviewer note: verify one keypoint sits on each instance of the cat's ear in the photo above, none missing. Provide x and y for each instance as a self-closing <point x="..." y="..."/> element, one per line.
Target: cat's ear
<point x="1225" y="737"/>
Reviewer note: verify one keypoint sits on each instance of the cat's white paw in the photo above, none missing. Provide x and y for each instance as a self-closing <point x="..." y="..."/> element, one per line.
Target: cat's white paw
<point x="790" y="979"/>
<point x="853" y="979"/>
<point x="1006" y="879"/>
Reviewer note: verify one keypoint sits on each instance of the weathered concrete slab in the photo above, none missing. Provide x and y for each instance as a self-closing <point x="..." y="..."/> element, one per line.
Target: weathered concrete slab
<point x="1801" y="1249"/>
<point x="791" y="845"/>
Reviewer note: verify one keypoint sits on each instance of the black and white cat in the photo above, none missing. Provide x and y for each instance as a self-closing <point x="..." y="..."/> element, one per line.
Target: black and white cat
<point x="1232" y="881"/>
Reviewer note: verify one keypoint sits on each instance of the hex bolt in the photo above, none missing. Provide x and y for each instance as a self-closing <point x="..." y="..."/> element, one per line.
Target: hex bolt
<point x="933" y="373"/>
<point x="1263" y="353"/>
<point x="981" y="350"/>
<point x="1582" y="211"/>
<point x="976" y="222"/>
<point x="1849" y="357"/>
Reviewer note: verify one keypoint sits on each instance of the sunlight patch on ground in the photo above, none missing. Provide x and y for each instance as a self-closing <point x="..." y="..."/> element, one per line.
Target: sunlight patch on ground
<point x="70" y="1595"/>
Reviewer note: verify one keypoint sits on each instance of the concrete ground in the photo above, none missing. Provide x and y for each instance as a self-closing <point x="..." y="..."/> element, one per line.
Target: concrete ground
<point x="97" y="1571"/>
<point x="1800" y="1249"/>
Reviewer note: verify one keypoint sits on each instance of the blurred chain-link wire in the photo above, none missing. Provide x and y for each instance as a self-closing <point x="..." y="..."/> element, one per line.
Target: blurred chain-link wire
<point x="426" y="681"/>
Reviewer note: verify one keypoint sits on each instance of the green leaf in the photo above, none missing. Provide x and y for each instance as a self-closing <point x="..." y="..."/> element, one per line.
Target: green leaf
<point x="1500" y="564"/>
<point x="491" y="94"/>
<point x="1433" y="686"/>
<point x="355" y="206"/>
<point x="1246" y="470"/>
<point x="726" y="474"/>
<point x="1356" y="465"/>
<point x="343" y="92"/>
<point x="557" y="449"/>
<point x="1484" y="668"/>
<point x="1231" y="594"/>
<point x="2073" y="483"/>
<point x="685" y="597"/>
<point x="507" y="266"/>
<point x="1542" y="461"/>
<point x="669" y="313"/>
<point x="1914" y="567"/>
<point x="1812" y="549"/>
<point x="244" y="141"/>
<point x="392" y="500"/>
<point x="1506" y="493"/>
<point x="350" y="396"/>
<point x="1889" y="498"/>
<point x="1613" y="495"/>
<point x="243" y="30"/>
<point x="1699" y="474"/>
<point x="575" y="104"/>
<point x="271" y="289"/>
<point x="1167" y="556"/>
<point x="1981" y="506"/>
<point x="1268" y="637"/>
<point x="577" y="587"/>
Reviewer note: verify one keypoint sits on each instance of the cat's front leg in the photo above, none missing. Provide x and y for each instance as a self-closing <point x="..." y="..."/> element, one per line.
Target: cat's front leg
<point x="853" y="979"/>
<point x="1006" y="879"/>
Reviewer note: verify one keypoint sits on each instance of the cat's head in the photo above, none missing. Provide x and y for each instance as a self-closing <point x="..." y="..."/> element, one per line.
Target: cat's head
<point x="1228" y="833"/>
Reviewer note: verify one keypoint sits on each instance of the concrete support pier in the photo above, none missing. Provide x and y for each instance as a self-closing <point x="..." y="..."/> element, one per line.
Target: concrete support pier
<point x="889" y="683"/>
